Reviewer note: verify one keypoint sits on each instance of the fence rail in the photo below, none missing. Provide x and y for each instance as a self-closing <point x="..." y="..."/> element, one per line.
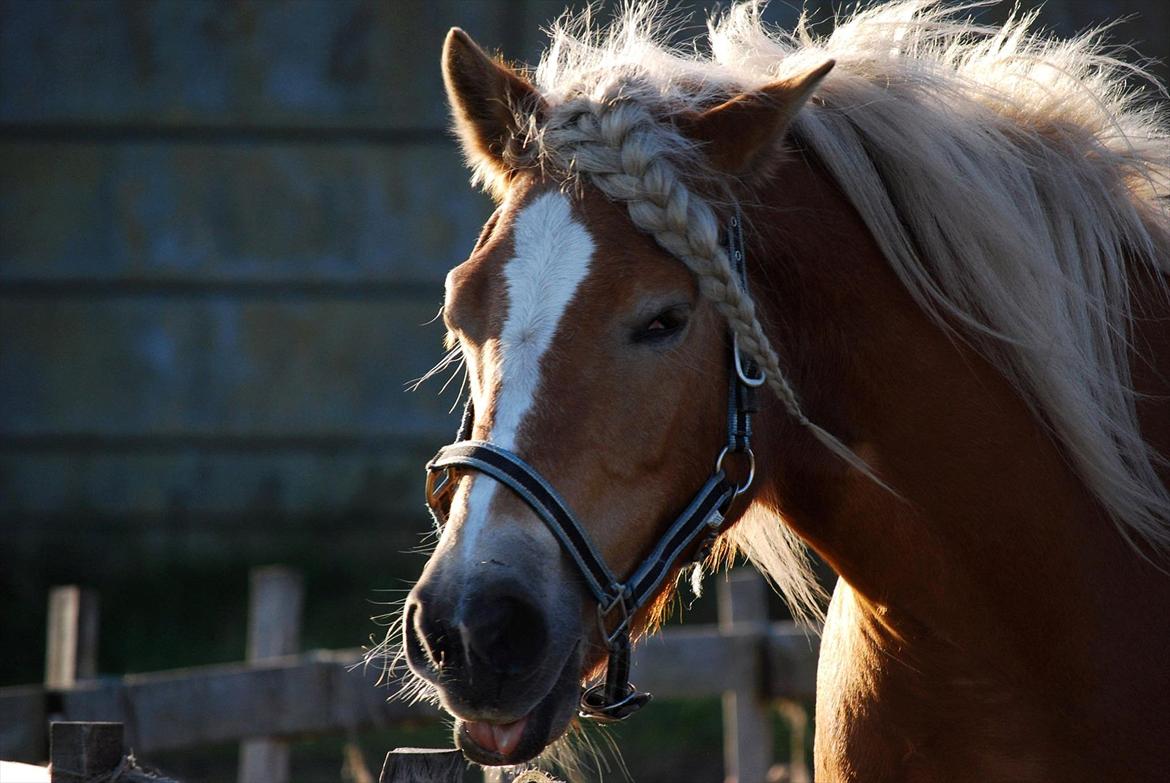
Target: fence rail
<point x="751" y="662"/>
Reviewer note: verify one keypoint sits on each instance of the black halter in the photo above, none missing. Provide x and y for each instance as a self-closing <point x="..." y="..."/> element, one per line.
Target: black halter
<point x="617" y="601"/>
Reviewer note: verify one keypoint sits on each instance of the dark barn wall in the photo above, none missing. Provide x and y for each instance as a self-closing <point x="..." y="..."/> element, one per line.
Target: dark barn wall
<point x="223" y="226"/>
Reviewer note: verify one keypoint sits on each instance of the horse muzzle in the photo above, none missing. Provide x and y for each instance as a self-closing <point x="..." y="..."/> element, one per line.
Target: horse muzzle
<point x="498" y="666"/>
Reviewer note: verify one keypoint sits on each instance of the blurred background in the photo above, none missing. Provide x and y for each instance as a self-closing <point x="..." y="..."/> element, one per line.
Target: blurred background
<point x="224" y="227"/>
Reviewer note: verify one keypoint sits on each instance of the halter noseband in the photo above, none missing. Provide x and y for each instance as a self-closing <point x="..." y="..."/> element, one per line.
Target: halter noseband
<point x="617" y="601"/>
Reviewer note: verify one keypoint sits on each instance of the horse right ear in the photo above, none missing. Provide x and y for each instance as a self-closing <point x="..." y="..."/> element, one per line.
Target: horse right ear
<point x="486" y="97"/>
<point x="736" y="135"/>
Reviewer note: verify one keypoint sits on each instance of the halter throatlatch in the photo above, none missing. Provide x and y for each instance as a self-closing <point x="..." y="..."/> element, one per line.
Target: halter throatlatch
<point x="692" y="532"/>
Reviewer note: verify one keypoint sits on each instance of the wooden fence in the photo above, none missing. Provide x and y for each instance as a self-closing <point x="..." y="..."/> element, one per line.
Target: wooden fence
<point x="757" y="667"/>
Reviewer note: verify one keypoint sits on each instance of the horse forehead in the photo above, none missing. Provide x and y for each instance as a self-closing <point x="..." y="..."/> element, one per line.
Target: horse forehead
<point x="524" y="276"/>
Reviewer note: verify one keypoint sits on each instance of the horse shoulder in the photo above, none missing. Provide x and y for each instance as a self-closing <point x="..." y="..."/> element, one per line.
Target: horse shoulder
<point x="891" y="708"/>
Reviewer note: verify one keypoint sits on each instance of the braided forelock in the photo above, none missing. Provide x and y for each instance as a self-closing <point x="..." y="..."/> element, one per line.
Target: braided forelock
<point x="636" y="156"/>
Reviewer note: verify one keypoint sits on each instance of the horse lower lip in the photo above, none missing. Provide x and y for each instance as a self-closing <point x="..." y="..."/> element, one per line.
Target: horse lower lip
<point x="501" y="739"/>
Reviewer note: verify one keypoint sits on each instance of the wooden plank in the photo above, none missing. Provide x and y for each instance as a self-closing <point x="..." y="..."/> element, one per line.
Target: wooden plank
<point x="187" y="490"/>
<point x="318" y="692"/>
<point x="71" y="636"/>
<point x="275" y="602"/>
<point x="213" y="406"/>
<point x="219" y="367"/>
<point x="423" y="765"/>
<point x="282" y="288"/>
<point x="346" y="213"/>
<point x="82" y="751"/>
<point x="207" y="705"/>
<point x="338" y="63"/>
<point x="692" y="662"/>
<point x="747" y="718"/>
<point x="666" y="664"/>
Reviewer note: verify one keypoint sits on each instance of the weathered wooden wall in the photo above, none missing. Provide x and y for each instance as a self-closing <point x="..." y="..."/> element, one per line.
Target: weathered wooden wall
<point x="222" y="227"/>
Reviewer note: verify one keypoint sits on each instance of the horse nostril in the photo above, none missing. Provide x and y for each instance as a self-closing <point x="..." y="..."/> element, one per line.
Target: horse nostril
<point x="426" y="636"/>
<point x="507" y="633"/>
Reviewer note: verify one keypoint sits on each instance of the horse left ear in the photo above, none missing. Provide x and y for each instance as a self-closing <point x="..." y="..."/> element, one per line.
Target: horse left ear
<point x="485" y="96"/>
<point x="735" y="133"/>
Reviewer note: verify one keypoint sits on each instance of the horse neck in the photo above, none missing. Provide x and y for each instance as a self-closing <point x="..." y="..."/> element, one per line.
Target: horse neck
<point x="992" y="529"/>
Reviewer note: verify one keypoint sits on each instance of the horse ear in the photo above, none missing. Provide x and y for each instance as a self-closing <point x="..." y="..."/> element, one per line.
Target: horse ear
<point x="735" y="133"/>
<point x="484" y="96"/>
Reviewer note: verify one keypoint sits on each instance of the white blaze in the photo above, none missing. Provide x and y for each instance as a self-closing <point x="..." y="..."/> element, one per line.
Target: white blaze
<point x="553" y="252"/>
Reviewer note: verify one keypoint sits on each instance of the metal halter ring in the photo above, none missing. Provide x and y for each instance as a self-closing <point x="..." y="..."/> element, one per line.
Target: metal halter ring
<point x="596" y="707"/>
<point x="751" y="456"/>
<point x="744" y="378"/>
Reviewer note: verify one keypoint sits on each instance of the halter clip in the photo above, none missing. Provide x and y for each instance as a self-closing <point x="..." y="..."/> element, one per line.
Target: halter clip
<point x="747" y="380"/>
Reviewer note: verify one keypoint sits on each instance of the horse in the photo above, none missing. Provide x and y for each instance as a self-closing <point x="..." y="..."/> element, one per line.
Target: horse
<point x="896" y="294"/>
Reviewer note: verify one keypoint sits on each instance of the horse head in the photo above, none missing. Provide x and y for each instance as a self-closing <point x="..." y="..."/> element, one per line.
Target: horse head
<point x="598" y="366"/>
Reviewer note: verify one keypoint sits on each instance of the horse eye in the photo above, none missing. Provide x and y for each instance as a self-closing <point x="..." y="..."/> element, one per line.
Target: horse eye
<point x="666" y="324"/>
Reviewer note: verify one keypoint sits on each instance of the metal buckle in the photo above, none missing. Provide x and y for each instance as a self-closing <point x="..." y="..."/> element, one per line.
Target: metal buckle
<point x="751" y="455"/>
<point x="714" y="524"/>
<point x="619" y="601"/>
<point x="740" y="373"/>
<point x="440" y="484"/>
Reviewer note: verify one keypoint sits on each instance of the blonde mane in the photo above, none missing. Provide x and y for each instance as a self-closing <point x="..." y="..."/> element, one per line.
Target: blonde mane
<point x="1012" y="181"/>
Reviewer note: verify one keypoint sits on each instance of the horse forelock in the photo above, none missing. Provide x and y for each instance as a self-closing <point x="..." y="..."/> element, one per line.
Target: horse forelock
<point x="982" y="159"/>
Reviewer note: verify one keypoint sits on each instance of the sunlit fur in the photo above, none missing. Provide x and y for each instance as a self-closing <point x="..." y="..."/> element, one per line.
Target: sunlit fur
<point x="1008" y="177"/>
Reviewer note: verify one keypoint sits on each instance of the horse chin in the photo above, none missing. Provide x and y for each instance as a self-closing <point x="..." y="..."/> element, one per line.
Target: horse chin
<point x="494" y="744"/>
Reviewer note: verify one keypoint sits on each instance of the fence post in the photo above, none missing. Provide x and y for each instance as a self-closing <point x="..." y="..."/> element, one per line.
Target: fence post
<point x="747" y="719"/>
<point x="275" y="602"/>
<point x="71" y="636"/>
<point x="795" y="714"/>
<point x="81" y="751"/>
<point x="423" y="765"/>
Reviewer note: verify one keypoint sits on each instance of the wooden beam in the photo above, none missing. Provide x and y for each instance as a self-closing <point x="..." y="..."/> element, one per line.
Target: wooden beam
<point x="315" y="693"/>
<point x="333" y="691"/>
<point x="747" y="719"/>
<point x="692" y="662"/>
<point x="71" y="636"/>
<point x="275" y="603"/>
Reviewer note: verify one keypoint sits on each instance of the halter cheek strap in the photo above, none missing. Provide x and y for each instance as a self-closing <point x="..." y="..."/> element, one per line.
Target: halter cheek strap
<point x="694" y="530"/>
